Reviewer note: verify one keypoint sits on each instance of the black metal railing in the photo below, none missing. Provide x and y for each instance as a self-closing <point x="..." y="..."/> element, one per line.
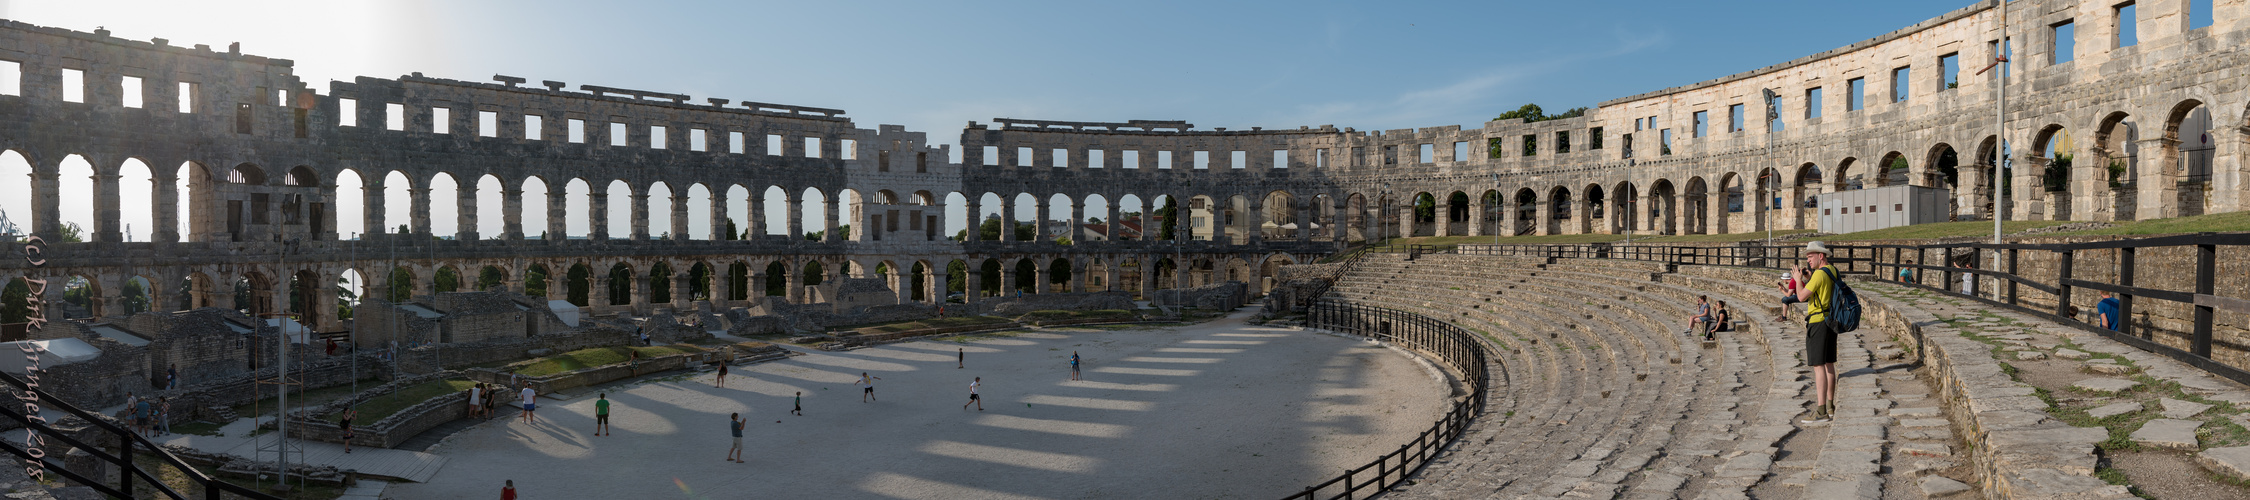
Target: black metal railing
<point x="128" y="443"/>
<point x="2002" y="284"/>
<point x="1452" y="344"/>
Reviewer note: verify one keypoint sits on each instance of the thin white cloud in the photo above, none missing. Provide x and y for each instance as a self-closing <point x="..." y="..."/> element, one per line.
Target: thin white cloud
<point x="1422" y="107"/>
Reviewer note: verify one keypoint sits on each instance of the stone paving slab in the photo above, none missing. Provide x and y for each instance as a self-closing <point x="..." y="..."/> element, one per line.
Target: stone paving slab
<point x="2168" y="433"/>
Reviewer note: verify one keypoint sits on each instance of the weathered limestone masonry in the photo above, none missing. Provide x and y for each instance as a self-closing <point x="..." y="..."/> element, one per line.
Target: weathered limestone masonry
<point x="268" y="161"/>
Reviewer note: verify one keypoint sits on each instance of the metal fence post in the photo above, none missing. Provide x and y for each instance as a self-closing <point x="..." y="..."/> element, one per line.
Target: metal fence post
<point x="2206" y="280"/>
<point x="2012" y="275"/>
<point x="2062" y="282"/>
<point x="2125" y="300"/>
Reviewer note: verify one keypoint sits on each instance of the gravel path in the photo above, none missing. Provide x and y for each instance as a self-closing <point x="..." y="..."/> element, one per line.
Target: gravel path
<point x="1219" y="410"/>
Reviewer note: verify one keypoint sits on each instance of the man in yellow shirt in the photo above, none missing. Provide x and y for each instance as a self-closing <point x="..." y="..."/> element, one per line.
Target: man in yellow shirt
<point x="1820" y="338"/>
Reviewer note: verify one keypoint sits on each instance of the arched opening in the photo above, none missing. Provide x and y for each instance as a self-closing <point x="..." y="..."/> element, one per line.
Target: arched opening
<point x="618" y="198"/>
<point x="445" y="206"/>
<point x="490" y="218"/>
<point x="489" y="277"/>
<point x="1027" y="277"/>
<point x="398" y="203"/>
<point x="76" y="199"/>
<point x="351" y="205"/>
<point x="1558" y="204"/>
<point x="1944" y="172"/>
<point x="659" y="211"/>
<point x="532" y="213"/>
<point x="446" y="280"/>
<point x="15" y="194"/>
<point x="660" y="283"/>
<point x="698" y="212"/>
<point x="2193" y="150"/>
<point x="401" y="285"/>
<point x="1697" y="205"/>
<point x="535" y="280"/>
<point x="1896" y="170"/>
<point x="136" y="201"/>
<point x="2052" y="147"/>
<point x="1425" y="215"/>
<point x="620" y="285"/>
<point x="579" y="285"/>
<point x="777" y="279"/>
<point x="1526" y="213"/>
<point x="699" y="282"/>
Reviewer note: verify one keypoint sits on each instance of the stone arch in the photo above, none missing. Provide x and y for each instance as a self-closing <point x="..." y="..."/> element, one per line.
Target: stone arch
<point x="1624" y="197"/>
<point x="1425" y="218"/>
<point x="1558" y="210"/>
<point x="1523" y="214"/>
<point x="1847" y="176"/>
<point x="2189" y="153"/>
<point x="1663" y="207"/>
<point x="247" y="173"/>
<point x="1895" y="169"/>
<point x="1696" y="206"/>
<point x="301" y="176"/>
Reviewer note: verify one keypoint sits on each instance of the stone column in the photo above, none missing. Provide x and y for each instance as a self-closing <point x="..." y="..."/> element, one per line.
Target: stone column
<point x="107" y="226"/>
<point x="2027" y="198"/>
<point x="1078" y="272"/>
<point x="467" y="218"/>
<point x="1405" y="221"/>
<point x="2159" y="194"/>
<point x="1544" y="217"/>
<point x="828" y="218"/>
<point x="796" y="221"/>
<point x="167" y="198"/>
<point x="1477" y="214"/>
<point x="597" y="289"/>
<point x="558" y="217"/>
<point x="679" y="217"/>
<point x="794" y="283"/>
<point x="1039" y="222"/>
<point x="719" y="218"/>
<point x="597" y="216"/>
<point x="511" y="212"/>
<point x="936" y="286"/>
<point x="324" y="304"/>
<point x="683" y="291"/>
<point x="2090" y="196"/>
<point x="1111" y="274"/>
<point x="1007" y="279"/>
<point x="757" y="214"/>
<point x="421" y="213"/>
<point x="1040" y="277"/>
<point x="1148" y="276"/>
<point x="1716" y="214"/>
<point x="1149" y="227"/>
<point x="975" y="230"/>
<point x="46" y="208"/>
<point x="1075" y="227"/>
<point x="640" y="215"/>
<point x="974" y="286"/>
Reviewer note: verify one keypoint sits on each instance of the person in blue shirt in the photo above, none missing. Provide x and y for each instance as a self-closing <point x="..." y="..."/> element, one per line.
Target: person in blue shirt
<point x="2107" y="311"/>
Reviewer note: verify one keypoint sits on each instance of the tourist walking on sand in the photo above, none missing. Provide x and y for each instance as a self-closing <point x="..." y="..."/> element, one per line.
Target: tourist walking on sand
<point x="973" y="395"/>
<point x="601" y="415"/>
<point x="1820" y="337"/>
<point x="722" y="381"/>
<point x="961" y="357"/>
<point x="867" y="386"/>
<point x="1074" y="365"/>
<point x="346" y="424"/>
<point x="799" y="408"/>
<point x="508" y="492"/>
<point x="530" y="398"/>
<point x="475" y="404"/>
<point x="734" y="423"/>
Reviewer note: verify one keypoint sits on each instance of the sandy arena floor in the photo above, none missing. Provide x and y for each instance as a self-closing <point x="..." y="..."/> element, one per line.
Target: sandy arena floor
<point x="1218" y="410"/>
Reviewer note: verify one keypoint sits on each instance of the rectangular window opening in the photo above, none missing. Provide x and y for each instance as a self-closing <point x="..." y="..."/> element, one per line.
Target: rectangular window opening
<point x="577" y="131"/>
<point x="1562" y="142"/>
<point x="1320" y="158"/>
<point x="303" y="123"/>
<point x="1281" y="158"/>
<point x="1130" y="158"/>
<point x="1203" y="160"/>
<point x="2064" y="42"/>
<point x="534" y="127"/>
<point x="2127" y="34"/>
<point x="734" y="142"/>
<point x="698" y="140"/>
<point x="488" y="124"/>
<point x="1163" y="160"/>
<point x="347" y="112"/>
<point x="848" y="149"/>
<point x="73" y="85"/>
<point x="1238" y="159"/>
<point x="774" y="145"/>
<point x="992" y="155"/>
<point x="1359" y="157"/>
<point x="922" y="162"/>
<point x="1949" y="71"/>
<point x="1094" y="158"/>
<point x="441" y="121"/>
<point x="1594" y="139"/>
<point x="1812" y="102"/>
<point x="1901" y="83"/>
<point x="394" y="117"/>
<point x="1390" y="154"/>
<point x="1735" y="118"/>
<point x="1058" y="157"/>
<point x="619" y="135"/>
<point x="1530" y="145"/>
<point x="242" y="117"/>
<point x="1664" y="142"/>
<point x="1427" y="154"/>
<point x="11" y="78"/>
<point x="658" y="137"/>
<point x="1460" y="150"/>
<point x="1025" y="157"/>
<point x="1702" y="124"/>
<point x="131" y="86"/>
<point x="1855" y="94"/>
<point x="2199" y="13"/>
<point x="812" y="147"/>
<point x="882" y="161"/>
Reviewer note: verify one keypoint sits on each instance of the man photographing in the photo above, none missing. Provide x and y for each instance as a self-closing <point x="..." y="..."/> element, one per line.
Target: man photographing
<point x="1818" y="294"/>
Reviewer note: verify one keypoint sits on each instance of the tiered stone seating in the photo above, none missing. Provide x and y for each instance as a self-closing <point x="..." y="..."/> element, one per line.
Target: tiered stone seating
<point x="1603" y="396"/>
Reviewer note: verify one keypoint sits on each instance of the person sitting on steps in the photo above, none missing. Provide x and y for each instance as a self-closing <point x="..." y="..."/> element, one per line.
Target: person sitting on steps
<point x="1722" y="320"/>
<point x="1702" y="314"/>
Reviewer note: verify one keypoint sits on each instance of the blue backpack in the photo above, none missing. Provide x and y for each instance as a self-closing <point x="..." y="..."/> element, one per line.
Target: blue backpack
<point x="1843" y="304"/>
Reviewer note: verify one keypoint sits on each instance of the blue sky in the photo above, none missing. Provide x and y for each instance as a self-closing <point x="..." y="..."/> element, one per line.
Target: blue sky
<point x="934" y="66"/>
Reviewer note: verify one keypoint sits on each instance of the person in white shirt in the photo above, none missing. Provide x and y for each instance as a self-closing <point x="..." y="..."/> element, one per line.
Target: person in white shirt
<point x="529" y="398"/>
<point x="973" y="395"/>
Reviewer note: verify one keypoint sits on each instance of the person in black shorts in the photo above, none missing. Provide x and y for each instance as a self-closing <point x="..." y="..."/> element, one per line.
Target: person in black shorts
<point x="722" y="382"/>
<point x="799" y="410"/>
<point x="962" y="361"/>
<point x="867" y="386"/>
<point x="346" y="424"/>
<point x="973" y="395"/>
<point x="1819" y="287"/>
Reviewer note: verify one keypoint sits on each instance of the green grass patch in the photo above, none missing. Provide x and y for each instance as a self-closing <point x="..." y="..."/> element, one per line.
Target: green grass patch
<point x="306" y="398"/>
<point x="930" y="323"/>
<point x="2230" y="222"/>
<point x="1943" y="230"/>
<point x="589" y="358"/>
<point x="374" y="410"/>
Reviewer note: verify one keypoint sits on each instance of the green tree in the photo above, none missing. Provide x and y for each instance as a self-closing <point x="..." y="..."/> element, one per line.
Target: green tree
<point x="732" y="233"/>
<point x="535" y="281"/>
<point x="660" y="283"/>
<point x="1170" y="221"/>
<point x="1532" y="113"/>
<point x="78" y="292"/>
<point x="346" y="298"/>
<point x="1425" y="209"/>
<point x="490" y="277"/>
<point x="135" y="299"/>
<point x="580" y="281"/>
<point x="71" y="233"/>
<point x="699" y="282"/>
<point x="402" y="285"/>
<point x="15" y="302"/>
<point x="956" y="277"/>
<point x="620" y="285"/>
<point x="448" y="280"/>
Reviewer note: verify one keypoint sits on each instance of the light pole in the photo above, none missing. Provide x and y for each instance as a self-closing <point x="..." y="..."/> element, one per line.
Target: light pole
<point x="1495" y="211"/>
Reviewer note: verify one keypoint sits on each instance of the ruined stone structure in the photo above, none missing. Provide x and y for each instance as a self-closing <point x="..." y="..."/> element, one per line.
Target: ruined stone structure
<point x="268" y="159"/>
